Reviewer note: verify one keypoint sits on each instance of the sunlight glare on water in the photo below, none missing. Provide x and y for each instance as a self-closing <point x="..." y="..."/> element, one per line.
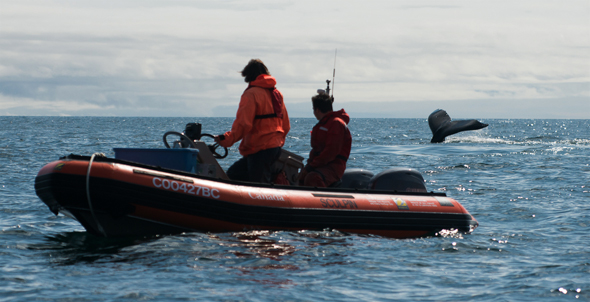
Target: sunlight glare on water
<point x="525" y="181"/>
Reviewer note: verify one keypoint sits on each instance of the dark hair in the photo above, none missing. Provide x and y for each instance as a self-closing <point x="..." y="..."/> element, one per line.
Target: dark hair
<point x="323" y="102"/>
<point x="254" y="68"/>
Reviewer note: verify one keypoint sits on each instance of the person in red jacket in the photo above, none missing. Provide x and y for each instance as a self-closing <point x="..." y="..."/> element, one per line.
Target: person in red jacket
<point x="330" y="145"/>
<point x="262" y="123"/>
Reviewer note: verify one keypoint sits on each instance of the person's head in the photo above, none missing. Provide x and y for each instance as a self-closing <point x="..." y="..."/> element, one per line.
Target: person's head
<point x="322" y="104"/>
<point x="254" y="68"/>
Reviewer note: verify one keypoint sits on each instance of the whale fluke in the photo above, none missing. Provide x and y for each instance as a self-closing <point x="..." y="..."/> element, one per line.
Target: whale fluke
<point x="441" y="125"/>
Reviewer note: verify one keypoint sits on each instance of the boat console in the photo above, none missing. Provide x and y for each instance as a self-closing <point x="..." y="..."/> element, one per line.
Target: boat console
<point x="200" y="158"/>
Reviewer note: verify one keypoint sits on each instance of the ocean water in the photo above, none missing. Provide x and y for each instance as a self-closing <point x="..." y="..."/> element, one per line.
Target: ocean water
<point x="527" y="182"/>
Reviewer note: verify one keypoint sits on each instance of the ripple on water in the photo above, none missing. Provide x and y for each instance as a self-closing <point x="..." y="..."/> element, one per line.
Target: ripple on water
<point x="525" y="181"/>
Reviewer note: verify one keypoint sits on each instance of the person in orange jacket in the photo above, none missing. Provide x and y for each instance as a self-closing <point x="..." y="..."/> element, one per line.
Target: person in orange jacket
<point x="330" y="145"/>
<point x="262" y="123"/>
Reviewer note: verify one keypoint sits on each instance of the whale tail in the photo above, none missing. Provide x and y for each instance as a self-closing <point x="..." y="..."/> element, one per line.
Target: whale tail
<point x="441" y="125"/>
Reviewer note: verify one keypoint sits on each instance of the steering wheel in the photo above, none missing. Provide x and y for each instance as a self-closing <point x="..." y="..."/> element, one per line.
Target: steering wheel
<point x="213" y="147"/>
<point x="182" y="138"/>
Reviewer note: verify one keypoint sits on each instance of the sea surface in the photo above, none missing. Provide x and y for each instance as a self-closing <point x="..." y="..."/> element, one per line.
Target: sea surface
<point x="527" y="182"/>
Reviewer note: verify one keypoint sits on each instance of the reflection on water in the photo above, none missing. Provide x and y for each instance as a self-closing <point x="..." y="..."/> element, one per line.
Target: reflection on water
<point x="262" y="254"/>
<point x="260" y="243"/>
<point x="253" y="250"/>
<point x="74" y="247"/>
<point x="255" y="243"/>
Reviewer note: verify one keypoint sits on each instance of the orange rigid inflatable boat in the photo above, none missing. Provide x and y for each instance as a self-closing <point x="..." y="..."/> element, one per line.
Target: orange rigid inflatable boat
<point x="117" y="197"/>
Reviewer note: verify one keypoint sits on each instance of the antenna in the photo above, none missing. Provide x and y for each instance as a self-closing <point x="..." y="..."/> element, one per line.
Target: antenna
<point x="327" y="90"/>
<point x="334" y="71"/>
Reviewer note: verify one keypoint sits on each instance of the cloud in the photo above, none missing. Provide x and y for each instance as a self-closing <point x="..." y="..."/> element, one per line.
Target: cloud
<point x="183" y="57"/>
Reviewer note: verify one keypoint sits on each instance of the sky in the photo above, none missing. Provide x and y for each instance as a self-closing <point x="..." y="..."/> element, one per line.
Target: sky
<point x="393" y="59"/>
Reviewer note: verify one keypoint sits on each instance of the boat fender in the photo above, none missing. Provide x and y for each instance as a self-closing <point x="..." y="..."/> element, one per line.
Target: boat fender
<point x="399" y="180"/>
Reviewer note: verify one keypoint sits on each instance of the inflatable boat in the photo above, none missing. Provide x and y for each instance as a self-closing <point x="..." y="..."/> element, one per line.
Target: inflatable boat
<point x="146" y="192"/>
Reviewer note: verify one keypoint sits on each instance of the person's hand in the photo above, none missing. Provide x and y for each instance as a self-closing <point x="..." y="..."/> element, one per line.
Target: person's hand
<point x="219" y="138"/>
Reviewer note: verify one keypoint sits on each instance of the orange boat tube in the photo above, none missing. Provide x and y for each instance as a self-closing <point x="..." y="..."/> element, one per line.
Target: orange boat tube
<point x="116" y="198"/>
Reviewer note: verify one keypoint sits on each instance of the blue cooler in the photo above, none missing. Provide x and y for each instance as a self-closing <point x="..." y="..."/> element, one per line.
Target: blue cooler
<point x="177" y="159"/>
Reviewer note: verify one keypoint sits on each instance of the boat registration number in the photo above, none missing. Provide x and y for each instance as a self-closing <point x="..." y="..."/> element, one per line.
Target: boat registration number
<point x="168" y="184"/>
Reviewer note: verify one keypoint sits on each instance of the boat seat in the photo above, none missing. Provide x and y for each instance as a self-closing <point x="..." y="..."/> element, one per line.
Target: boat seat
<point x="291" y="164"/>
<point x="208" y="165"/>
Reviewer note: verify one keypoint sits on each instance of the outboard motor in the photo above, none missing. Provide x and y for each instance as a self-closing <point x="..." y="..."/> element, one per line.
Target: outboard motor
<point x="398" y="179"/>
<point x="193" y="131"/>
<point x="356" y="179"/>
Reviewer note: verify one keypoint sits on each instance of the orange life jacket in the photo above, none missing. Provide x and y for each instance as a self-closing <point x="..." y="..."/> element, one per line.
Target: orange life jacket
<point x="260" y="123"/>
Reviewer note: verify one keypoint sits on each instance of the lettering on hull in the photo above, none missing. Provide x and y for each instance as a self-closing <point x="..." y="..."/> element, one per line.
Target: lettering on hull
<point x="262" y="196"/>
<point x="380" y="202"/>
<point x="338" y="203"/>
<point x="173" y="185"/>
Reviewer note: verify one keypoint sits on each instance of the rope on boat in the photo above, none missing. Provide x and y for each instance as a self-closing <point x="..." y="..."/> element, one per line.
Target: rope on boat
<point x="100" y="229"/>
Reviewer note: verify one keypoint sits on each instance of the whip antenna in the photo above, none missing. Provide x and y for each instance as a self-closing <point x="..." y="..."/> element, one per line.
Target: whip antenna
<point x="334" y="71"/>
<point x="327" y="90"/>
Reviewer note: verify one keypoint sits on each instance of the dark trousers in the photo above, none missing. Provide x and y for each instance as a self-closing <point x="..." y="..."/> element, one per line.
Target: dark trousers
<point x="321" y="177"/>
<point x="255" y="167"/>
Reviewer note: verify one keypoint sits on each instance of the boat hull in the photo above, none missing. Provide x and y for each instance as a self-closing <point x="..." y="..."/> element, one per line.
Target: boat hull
<point x="114" y="198"/>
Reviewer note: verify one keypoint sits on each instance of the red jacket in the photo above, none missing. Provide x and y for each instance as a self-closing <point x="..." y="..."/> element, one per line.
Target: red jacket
<point x="256" y="131"/>
<point x="330" y="143"/>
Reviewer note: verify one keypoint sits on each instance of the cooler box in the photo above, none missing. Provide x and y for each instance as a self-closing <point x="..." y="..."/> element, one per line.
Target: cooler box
<point x="177" y="159"/>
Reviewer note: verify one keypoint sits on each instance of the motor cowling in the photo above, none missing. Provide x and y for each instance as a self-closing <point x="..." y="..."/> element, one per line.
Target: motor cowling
<point x="398" y="179"/>
<point x="356" y="179"/>
<point x="193" y="131"/>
